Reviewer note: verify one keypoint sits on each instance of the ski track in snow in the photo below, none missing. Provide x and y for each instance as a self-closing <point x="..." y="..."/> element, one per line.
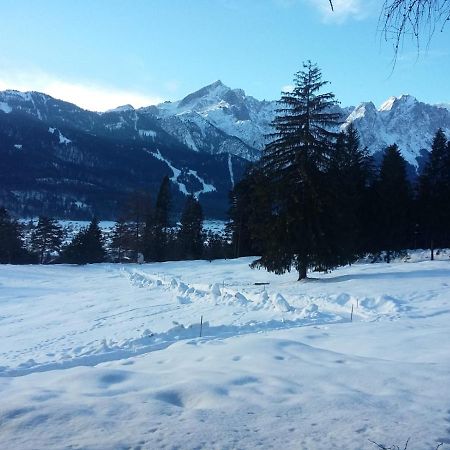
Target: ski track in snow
<point x="230" y="308"/>
<point x="230" y="168"/>
<point x="277" y="365"/>
<point x="206" y="187"/>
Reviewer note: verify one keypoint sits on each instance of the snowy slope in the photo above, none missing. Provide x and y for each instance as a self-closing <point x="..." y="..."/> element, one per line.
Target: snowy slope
<point x="229" y="110"/>
<point x="109" y="357"/>
<point x="218" y="119"/>
<point x="403" y="120"/>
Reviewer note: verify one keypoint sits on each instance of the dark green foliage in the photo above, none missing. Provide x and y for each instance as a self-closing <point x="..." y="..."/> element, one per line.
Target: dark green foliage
<point x="348" y="175"/>
<point x="298" y="232"/>
<point x="190" y="235"/>
<point x="157" y="225"/>
<point x="46" y="238"/>
<point x="137" y="212"/>
<point x="216" y="246"/>
<point x="434" y="194"/>
<point x="394" y="217"/>
<point x="250" y="209"/>
<point x="12" y="250"/>
<point x="122" y="241"/>
<point x="86" y="247"/>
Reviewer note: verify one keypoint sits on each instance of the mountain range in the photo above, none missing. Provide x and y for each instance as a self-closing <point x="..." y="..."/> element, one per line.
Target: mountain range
<point x="61" y="160"/>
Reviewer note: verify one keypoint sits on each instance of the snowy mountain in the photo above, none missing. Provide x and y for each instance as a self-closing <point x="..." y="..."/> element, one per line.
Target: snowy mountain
<point x="218" y="107"/>
<point x="203" y="142"/>
<point x="403" y="120"/>
<point x="60" y="160"/>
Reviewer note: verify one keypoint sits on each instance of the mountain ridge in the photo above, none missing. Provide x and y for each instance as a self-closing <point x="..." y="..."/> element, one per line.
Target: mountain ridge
<point x="203" y="139"/>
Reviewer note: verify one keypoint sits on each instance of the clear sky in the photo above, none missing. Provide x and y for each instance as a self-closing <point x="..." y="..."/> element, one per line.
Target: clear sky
<point x="104" y="53"/>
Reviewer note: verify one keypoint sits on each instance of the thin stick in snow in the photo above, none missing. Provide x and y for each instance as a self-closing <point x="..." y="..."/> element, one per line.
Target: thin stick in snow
<point x="351" y="315"/>
<point x="201" y="325"/>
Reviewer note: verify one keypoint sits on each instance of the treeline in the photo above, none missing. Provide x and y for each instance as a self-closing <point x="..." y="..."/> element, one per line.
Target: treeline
<point x="144" y="233"/>
<point x="316" y="200"/>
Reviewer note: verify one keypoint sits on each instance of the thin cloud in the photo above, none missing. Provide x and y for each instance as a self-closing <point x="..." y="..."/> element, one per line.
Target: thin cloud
<point x="343" y="9"/>
<point x="90" y="96"/>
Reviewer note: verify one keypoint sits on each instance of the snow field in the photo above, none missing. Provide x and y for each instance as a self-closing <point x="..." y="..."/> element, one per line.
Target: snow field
<point x="109" y="357"/>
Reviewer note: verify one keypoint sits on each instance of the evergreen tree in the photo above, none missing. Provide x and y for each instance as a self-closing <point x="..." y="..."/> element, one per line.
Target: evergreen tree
<point x="86" y="247"/>
<point x="250" y="207"/>
<point x="12" y="250"/>
<point x="216" y="246"/>
<point x="434" y="194"/>
<point x="190" y="236"/>
<point x="121" y="240"/>
<point x="298" y="232"/>
<point x="137" y="213"/>
<point x="348" y="175"/>
<point x="395" y="204"/>
<point x="46" y="238"/>
<point x="157" y="225"/>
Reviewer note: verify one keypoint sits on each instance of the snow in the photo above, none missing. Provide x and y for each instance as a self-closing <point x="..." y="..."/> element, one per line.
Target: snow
<point x="147" y="133"/>
<point x="387" y="105"/>
<point x="18" y="146"/>
<point x="119" y="109"/>
<point x="5" y="107"/>
<point x="62" y="138"/>
<point x="230" y="169"/>
<point x="206" y="187"/>
<point x="109" y="356"/>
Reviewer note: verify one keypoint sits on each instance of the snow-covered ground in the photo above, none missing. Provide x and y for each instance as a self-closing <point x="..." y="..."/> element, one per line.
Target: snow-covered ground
<point x="109" y="356"/>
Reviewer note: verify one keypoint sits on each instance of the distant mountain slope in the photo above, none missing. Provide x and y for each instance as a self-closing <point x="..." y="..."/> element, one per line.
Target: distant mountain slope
<point x="50" y="149"/>
<point x="66" y="172"/>
<point x="402" y="120"/>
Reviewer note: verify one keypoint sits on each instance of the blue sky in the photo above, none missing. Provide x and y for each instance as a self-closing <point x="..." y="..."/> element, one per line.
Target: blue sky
<point x="103" y="53"/>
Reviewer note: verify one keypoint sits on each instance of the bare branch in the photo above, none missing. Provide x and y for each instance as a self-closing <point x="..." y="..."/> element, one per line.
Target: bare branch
<point x="331" y="4"/>
<point x="414" y="19"/>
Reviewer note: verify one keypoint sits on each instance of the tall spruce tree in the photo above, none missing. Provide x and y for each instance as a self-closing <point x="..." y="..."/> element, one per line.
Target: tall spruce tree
<point x="297" y="234"/>
<point x="395" y="204"/>
<point x="434" y="194"/>
<point x="86" y="247"/>
<point x="12" y="250"/>
<point x="137" y="211"/>
<point x="157" y="225"/>
<point x="46" y="238"/>
<point x="250" y="207"/>
<point x="121" y="240"/>
<point x="348" y="175"/>
<point x="190" y="236"/>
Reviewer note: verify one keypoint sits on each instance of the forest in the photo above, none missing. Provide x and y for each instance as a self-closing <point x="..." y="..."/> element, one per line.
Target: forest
<point x="315" y="200"/>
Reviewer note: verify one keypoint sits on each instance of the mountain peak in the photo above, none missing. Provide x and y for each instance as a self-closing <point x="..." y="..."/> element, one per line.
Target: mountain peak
<point x="122" y="108"/>
<point x="403" y="99"/>
<point x="216" y="89"/>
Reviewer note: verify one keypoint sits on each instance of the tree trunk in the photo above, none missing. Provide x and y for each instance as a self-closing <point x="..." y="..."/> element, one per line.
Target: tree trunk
<point x="432" y="249"/>
<point x="302" y="270"/>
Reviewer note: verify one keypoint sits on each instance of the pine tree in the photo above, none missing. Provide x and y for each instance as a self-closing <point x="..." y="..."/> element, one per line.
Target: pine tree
<point x="121" y="240"/>
<point x="190" y="236"/>
<point x="137" y="212"/>
<point x="395" y="204"/>
<point x="157" y="225"/>
<point x="46" y="238"/>
<point x="434" y="194"/>
<point x="12" y="250"/>
<point x="250" y="207"/>
<point x="348" y="174"/>
<point x="86" y="247"/>
<point x="297" y="233"/>
<point x="216" y="246"/>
